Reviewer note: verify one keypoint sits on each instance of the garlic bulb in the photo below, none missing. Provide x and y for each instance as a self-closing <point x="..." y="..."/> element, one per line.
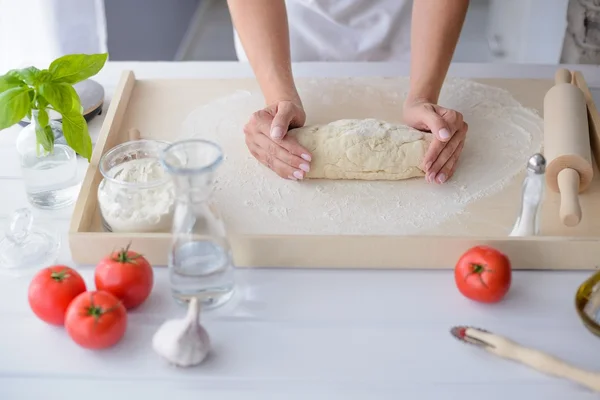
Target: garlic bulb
<point x="183" y="342"/>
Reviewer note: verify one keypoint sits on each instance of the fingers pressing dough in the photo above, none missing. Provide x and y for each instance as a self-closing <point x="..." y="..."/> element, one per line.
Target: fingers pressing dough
<point x="365" y="149"/>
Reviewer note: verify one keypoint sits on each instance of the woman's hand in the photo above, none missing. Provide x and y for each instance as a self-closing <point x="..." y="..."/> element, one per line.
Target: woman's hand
<point x="267" y="141"/>
<point x="450" y="131"/>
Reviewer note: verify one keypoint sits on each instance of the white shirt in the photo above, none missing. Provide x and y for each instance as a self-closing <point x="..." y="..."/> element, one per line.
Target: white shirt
<point x="346" y="30"/>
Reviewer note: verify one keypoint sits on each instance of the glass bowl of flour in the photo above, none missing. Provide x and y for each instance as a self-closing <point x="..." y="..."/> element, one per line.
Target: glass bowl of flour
<point x="136" y="193"/>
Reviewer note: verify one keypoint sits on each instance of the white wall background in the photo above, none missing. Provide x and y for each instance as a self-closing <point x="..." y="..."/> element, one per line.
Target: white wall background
<point x="34" y="32"/>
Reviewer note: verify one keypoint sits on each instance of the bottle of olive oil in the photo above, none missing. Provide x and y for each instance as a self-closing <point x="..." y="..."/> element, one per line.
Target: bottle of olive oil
<point x="587" y="302"/>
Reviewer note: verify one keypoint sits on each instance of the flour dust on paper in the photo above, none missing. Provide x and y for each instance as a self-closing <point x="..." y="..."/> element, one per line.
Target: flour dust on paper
<point x="502" y="136"/>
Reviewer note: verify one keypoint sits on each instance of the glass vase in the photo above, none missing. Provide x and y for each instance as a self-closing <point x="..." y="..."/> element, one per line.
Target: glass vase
<point x="200" y="260"/>
<point x="51" y="179"/>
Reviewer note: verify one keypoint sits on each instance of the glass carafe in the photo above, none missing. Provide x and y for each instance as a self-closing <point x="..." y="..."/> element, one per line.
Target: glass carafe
<point x="200" y="260"/>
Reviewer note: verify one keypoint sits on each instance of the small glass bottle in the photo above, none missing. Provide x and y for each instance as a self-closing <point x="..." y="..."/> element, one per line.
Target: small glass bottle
<point x="51" y="178"/>
<point x="528" y="219"/>
<point x="200" y="260"/>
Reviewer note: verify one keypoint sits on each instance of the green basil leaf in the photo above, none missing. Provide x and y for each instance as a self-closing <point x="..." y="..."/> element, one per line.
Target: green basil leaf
<point x="44" y="136"/>
<point x="61" y="96"/>
<point x="44" y="76"/>
<point x="43" y="117"/>
<point x="29" y="75"/>
<point x="75" y="68"/>
<point x="9" y="81"/>
<point x="42" y="103"/>
<point x="31" y="99"/>
<point x="76" y="133"/>
<point x="14" y="105"/>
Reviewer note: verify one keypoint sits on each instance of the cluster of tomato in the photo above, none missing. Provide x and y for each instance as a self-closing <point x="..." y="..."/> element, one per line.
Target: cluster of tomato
<point x="483" y="274"/>
<point x="94" y="319"/>
<point x="97" y="319"/>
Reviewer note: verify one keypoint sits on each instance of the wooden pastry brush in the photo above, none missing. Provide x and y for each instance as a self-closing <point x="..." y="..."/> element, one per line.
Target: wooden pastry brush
<point x="535" y="359"/>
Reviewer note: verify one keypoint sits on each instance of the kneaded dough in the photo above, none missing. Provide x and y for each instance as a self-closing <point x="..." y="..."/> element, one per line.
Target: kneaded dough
<point x="366" y="149"/>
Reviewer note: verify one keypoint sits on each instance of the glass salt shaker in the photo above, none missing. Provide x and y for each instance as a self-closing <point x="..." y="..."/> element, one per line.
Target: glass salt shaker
<point x="528" y="220"/>
<point x="200" y="260"/>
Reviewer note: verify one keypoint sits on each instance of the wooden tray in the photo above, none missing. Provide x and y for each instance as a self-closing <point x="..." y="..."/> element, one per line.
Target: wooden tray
<point x="155" y="107"/>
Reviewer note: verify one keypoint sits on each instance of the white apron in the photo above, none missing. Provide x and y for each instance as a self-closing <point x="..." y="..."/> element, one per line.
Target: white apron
<point x="346" y="30"/>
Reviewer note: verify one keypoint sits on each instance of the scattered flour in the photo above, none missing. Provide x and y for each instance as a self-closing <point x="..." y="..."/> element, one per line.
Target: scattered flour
<point x="502" y="136"/>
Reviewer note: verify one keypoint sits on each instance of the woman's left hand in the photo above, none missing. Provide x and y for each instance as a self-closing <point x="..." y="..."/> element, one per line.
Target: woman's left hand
<point x="450" y="131"/>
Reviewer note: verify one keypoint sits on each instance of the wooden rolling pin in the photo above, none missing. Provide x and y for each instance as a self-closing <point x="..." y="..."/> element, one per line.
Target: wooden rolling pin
<point x="567" y="145"/>
<point x="593" y="115"/>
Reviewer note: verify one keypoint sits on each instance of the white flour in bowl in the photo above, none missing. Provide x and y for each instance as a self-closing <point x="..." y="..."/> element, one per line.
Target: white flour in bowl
<point x="127" y="208"/>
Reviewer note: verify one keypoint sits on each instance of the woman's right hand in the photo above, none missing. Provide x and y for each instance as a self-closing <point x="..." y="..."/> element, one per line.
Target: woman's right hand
<point x="267" y="140"/>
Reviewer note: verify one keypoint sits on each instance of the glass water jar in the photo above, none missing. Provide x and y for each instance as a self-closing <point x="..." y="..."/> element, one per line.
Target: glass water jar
<point x="200" y="260"/>
<point x="51" y="178"/>
<point x="136" y="193"/>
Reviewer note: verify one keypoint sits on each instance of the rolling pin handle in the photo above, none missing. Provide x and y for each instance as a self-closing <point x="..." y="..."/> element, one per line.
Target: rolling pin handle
<point x="568" y="185"/>
<point x="563" y="75"/>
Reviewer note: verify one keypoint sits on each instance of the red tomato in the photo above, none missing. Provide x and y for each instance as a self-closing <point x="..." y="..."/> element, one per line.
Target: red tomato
<point x="51" y="290"/>
<point x="483" y="274"/>
<point x="96" y="320"/>
<point x="127" y="275"/>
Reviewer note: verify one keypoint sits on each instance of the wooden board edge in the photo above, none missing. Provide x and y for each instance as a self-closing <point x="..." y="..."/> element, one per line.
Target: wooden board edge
<point x="400" y="252"/>
<point x="112" y="122"/>
<point x="357" y="252"/>
<point x="410" y="252"/>
<point x="593" y="116"/>
<point x="88" y="248"/>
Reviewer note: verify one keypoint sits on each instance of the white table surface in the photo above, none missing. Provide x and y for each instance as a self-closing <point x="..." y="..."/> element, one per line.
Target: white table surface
<point x="302" y="334"/>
